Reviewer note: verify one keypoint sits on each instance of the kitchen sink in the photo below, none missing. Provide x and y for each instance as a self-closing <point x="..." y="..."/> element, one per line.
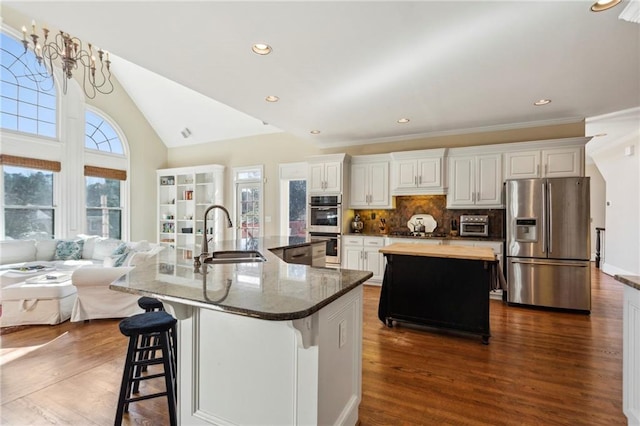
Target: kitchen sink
<point x="234" y="256"/>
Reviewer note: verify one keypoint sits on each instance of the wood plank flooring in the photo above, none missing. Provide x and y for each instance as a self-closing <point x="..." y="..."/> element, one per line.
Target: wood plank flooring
<point x="540" y="368"/>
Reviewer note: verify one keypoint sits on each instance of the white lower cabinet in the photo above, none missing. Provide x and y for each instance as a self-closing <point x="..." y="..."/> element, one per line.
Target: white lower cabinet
<point x="362" y="253"/>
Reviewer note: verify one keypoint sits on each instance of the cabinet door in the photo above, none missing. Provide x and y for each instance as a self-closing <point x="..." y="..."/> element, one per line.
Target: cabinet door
<point x="462" y="181"/>
<point x="562" y="162"/>
<point x="359" y="185"/>
<point x="405" y="173"/>
<point x="374" y="262"/>
<point x="316" y="177"/>
<point x="522" y="165"/>
<point x="353" y="257"/>
<point x="489" y="180"/>
<point x="378" y="185"/>
<point x="333" y="177"/>
<point x="430" y="174"/>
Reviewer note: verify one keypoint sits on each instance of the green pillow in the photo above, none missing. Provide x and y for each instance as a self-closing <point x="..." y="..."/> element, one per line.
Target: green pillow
<point x="68" y="250"/>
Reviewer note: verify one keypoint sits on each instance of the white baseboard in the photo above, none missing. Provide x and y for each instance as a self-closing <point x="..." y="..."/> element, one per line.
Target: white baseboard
<point x="614" y="270"/>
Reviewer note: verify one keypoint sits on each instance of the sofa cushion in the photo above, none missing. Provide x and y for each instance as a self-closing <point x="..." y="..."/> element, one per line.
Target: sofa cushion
<point x="104" y="247"/>
<point x="45" y="249"/>
<point x="89" y="245"/>
<point x="16" y="251"/>
<point x="68" y="250"/>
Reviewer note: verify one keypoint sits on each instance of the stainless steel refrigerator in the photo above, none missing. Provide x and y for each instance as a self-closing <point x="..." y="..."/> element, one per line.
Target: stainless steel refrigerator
<point x="548" y="242"/>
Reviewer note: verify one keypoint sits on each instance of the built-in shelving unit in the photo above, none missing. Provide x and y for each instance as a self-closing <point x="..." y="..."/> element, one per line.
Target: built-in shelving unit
<point x="183" y="196"/>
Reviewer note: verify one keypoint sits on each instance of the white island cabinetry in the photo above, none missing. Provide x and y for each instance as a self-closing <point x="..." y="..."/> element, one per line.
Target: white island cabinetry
<point x="261" y="342"/>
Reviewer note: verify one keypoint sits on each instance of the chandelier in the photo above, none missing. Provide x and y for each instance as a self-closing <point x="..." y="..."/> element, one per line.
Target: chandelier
<point x="69" y="51"/>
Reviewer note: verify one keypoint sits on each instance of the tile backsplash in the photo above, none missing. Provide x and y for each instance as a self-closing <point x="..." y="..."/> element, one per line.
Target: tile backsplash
<point x="436" y="206"/>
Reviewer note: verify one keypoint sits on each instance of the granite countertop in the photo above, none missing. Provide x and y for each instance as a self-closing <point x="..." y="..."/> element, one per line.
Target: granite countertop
<point x="630" y="280"/>
<point x="270" y="290"/>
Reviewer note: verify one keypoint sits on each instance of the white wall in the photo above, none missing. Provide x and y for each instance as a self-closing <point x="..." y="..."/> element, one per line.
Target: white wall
<point x="622" y="176"/>
<point x="598" y="194"/>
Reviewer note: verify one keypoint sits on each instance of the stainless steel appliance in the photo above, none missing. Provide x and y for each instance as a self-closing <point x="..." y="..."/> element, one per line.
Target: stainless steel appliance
<point x="333" y="245"/>
<point x="325" y="213"/>
<point x="474" y="225"/>
<point x="548" y="243"/>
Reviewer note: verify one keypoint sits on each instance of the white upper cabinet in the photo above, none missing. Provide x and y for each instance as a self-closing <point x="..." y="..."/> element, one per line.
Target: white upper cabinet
<point x="546" y="159"/>
<point x="475" y="181"/>
<point x="325" y="174"/>
<point x="418" y="172"/>
<point x="370" y="182"/>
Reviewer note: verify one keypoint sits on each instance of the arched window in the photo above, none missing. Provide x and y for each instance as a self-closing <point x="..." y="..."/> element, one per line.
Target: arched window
<point x="104" y="184"/>
<point x="27" y="98"/>
<point x="100" y="135"/>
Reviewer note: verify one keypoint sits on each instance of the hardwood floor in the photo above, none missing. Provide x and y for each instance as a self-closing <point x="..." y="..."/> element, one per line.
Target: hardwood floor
<point x="540" y="368"/>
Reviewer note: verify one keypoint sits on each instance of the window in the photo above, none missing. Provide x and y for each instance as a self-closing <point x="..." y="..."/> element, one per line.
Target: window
<point x="104" y="211"/>
<point x="100" y="135"/>
<point x="248" y="212"/>
<point x="27" y="97"/>
<point x="293" y="199"/>
<point x="104" y="189"/>
<point x="28" y="203"/>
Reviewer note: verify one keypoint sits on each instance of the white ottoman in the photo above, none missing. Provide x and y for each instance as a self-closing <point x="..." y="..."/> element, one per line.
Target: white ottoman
<point x="38" y="301"/>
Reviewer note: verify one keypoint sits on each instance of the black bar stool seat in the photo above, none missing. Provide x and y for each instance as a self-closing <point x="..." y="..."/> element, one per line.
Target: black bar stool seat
<point x="150" y="304"/>
<point x="148" y="332"/>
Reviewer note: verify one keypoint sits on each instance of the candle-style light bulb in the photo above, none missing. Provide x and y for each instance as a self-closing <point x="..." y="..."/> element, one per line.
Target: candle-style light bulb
<point x="24" y="32"/>
<point x="33" y="26"/>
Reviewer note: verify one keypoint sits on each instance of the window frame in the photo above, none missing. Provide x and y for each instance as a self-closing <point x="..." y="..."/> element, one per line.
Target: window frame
<point x="237" y="182"/>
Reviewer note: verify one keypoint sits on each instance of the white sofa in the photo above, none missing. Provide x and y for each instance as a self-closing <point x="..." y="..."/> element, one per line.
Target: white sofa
<point x="90" y="265"/>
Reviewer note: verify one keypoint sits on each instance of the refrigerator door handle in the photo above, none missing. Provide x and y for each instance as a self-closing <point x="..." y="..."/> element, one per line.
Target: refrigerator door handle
<point x="544" y="218"/>
<point x="550" y="227"/>
<point x="574" y="265"/>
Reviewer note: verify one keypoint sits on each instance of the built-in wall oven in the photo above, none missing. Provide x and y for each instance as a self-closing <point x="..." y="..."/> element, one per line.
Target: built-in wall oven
<point x="325" y="213"/>
<point x="333" y="245"/>
<point x="325" y="223"/>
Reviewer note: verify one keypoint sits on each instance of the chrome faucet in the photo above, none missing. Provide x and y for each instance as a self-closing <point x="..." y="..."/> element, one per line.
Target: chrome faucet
<point x="205" y="244"/>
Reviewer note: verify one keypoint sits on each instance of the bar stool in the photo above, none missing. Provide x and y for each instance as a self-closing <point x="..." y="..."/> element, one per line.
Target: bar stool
<point x="149" y="304"/>
<point x="137" y="327"/>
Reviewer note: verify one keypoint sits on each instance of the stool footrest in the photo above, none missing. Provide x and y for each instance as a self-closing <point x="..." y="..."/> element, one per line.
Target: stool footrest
<point x="142" y="398"/>
<point x="150" y="376"/>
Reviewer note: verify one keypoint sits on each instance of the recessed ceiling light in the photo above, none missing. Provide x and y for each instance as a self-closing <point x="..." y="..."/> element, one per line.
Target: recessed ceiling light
<point x="261" y="48"/>
<point x="601" y="5"/>
<point x="272" y="98"/>
<point x="541" y="102"/>
<point x="403" y="120"/>
<point x="315" y="132"/>
<point x="599" y="135"/>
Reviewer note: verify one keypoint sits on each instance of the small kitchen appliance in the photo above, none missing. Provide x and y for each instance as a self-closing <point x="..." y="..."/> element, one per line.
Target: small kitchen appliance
<point x="357" y="224"/>
<point x="472" y="225"/>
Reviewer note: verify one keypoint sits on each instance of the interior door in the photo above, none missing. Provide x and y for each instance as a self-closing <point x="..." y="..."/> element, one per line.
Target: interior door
<point x="248" y="210"/>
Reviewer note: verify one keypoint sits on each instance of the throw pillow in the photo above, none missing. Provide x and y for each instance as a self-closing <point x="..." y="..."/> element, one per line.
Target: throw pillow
<point x="119" y="260"/>
<point x="68" y="250"/>
<point x="104" y="247"/>
<point x="121" y="249"/>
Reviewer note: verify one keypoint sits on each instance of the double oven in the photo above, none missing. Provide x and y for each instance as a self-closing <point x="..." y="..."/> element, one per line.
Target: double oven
<point x="325" y="223"/>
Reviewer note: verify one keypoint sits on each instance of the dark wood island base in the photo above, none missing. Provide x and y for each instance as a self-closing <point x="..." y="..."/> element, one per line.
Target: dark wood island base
<point x="438" y="287"/>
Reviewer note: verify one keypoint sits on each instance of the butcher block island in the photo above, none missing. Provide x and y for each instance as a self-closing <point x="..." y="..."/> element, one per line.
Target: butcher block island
<point x="444" y="287"/>
<point x="261" y="341"/>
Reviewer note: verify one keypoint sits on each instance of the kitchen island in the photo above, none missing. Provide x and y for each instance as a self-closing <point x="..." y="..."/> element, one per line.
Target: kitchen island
<point x="631" y="348"/>
<point x="439" y="286"/>
<point x="261" y="341"/>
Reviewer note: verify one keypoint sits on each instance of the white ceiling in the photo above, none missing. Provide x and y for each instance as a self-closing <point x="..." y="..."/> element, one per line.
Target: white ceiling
<point x="351" y="69"/>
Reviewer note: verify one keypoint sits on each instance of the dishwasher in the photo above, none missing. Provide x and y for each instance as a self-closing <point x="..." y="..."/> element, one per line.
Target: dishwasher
<point x="298" y="255"/>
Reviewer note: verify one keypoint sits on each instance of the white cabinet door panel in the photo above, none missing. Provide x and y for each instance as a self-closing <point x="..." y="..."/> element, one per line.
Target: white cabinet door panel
<point x="379" y="184"/>
<point x="522" y="165"/>
<point x="562" y="162"/>
<point x="430" y="172"/>
<point x="462" y="182"/>
<point x="489" y="183"/>
<point x="359" y="184"/>
<point x="333" y="177"/>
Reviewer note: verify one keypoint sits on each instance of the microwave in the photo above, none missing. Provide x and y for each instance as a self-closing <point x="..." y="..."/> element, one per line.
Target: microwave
<point x="474" y="225"/>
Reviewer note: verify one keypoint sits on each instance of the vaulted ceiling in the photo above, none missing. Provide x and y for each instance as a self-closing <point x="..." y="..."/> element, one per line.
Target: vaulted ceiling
<point x="352" y="69"/>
